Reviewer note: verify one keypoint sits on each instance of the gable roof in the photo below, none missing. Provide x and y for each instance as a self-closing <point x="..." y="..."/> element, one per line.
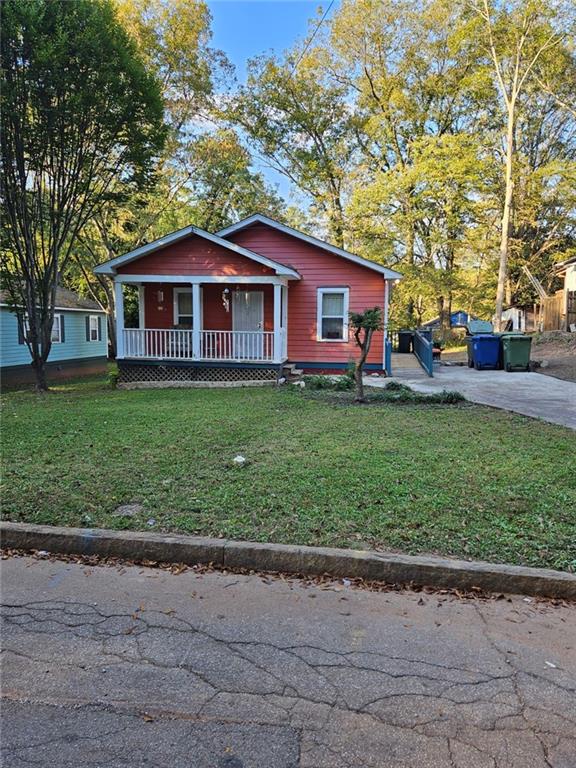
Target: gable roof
<point x="258" y="218"/>
<point x="110" y="267"/>
<point x="65" y="299"/>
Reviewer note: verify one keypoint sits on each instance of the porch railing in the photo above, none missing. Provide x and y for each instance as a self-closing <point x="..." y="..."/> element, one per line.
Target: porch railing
<point x="423" y="351"/>
<point x="178" y="344"/>
<point x="237" y="345"/>
<point x="388" y="355"/>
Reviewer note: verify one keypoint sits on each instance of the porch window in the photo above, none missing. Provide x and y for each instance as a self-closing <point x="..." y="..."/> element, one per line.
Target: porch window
<point x="332" y="317"/>
<point x="183" y="310"/>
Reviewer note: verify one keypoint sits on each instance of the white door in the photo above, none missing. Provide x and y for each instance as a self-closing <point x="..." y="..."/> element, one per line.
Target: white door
<point x="248" y="323"/>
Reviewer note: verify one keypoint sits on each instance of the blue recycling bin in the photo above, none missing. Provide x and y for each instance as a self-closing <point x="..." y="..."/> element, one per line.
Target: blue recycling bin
<point x="486" y="351"/>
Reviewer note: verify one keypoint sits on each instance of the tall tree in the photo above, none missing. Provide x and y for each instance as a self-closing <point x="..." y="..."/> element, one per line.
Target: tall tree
<point x="78" y="111"/>
<point x="173" y="39"/>
<point x="523" y="39"/>
<point x="417" y="80"/>
<point x="302" y="125"/>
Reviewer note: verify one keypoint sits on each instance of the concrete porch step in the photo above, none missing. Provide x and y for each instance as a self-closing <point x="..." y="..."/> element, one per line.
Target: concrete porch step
<point x="291" y="373"/>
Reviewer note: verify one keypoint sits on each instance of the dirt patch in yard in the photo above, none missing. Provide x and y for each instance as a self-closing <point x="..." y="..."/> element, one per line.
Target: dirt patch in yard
<point x="557" y="350"/>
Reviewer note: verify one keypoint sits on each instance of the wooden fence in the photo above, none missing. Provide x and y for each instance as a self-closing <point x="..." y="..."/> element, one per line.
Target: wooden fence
<point x="552" y="312"/>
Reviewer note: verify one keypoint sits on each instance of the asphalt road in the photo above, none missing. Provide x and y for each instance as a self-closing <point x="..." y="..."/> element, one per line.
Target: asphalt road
<point x="133" y="667"/>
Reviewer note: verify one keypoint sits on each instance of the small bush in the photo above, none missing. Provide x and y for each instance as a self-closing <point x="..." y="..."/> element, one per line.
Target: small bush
<point x="344" y="384"/>
<point x="400" y="393"/>
<point x="317" y="382"/>
<point x="112" y="378"/>
<point x="340" y="384"/>
<point x="396" y="386"/>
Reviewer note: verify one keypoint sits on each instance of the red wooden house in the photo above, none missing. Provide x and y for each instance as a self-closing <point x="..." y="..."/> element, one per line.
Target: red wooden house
<point x="239" y="305"/>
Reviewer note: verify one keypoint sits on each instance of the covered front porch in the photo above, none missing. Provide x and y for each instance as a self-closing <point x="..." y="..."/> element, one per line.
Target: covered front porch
<point x="213" y="319"/>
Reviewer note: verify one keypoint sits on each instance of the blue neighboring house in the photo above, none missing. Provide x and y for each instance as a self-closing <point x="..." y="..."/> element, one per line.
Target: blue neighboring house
<point x="79" y="341"/>
<point x="458" y="319"/>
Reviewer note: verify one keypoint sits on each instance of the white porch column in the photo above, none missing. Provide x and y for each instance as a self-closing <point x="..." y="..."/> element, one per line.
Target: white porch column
<point x="119" y="301"/>
<point x="284" y="321"/>
<point x="197" y="321"/>
<point x="277" y="322"/>
<point x="141" y="314"/>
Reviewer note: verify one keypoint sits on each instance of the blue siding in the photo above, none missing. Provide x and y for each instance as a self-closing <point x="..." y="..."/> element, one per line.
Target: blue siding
<point x="74" y="346"/>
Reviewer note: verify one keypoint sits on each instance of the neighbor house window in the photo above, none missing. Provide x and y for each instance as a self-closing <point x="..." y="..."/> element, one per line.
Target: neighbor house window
<point x="332" y="314"/>
<point x="93" y="328"/>
<point x="57" y="330"/>
<point x="57" y="336"/>
<point x="183" y="313"/>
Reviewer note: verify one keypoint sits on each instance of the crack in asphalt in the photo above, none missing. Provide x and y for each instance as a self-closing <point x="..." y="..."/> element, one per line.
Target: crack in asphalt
<point x="328" y="686"/>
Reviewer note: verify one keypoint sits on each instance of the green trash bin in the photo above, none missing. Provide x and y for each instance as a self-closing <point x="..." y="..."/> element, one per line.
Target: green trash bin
<point x="515" y="351"/>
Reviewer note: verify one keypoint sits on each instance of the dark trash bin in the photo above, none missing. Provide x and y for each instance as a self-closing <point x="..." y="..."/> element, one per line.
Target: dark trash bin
<point x="405" y="341"/>
<point x="486" y="351"/>
<point x="515" y="351"/>
<point x="469" y="355"/>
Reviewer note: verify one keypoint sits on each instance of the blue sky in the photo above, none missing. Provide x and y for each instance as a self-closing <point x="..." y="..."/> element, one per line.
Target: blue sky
<point x="246" y="29"/>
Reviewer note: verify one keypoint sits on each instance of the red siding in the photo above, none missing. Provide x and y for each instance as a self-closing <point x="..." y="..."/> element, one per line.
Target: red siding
<point x="319" y="269"/>
<point x="160" y="314"/>
<point x="194" y="256"/>
<point x="215" y="317"/>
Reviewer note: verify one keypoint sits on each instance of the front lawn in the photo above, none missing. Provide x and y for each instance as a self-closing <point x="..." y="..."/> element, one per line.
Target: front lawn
<point x="458" y="480"/>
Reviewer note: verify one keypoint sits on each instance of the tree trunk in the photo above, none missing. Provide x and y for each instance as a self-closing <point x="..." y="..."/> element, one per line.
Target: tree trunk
<point x="359" y="366"/>
<point x="39" y="367"/>
<point x="443" y="313"/>
<point x="505" y="233"/>
<point x="358" y="372"/>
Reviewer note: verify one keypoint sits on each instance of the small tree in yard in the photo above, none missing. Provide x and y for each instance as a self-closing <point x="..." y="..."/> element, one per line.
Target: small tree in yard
<point x="363" y="325"/>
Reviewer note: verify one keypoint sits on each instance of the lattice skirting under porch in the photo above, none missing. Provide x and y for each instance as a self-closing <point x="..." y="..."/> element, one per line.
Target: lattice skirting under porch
<point x="150" y="376"/>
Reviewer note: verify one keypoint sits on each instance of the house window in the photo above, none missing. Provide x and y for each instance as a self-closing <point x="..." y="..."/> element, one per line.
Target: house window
<point x="183" y="311"/>
<point x="57" y="330"/>
<point x="93" y="328"/>
<point x="332" y="314"/>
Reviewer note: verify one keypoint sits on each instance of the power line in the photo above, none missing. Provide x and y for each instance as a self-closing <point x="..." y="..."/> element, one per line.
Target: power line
<point x="309" y="43"/>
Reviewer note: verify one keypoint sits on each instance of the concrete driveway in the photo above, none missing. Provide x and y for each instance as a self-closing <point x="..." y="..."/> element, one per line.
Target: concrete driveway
<point x="530" y="394"/>
<point x="137" y="667"/>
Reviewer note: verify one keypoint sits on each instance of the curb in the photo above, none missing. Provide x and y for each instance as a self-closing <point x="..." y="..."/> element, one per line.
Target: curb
<point x="423" y="570"/>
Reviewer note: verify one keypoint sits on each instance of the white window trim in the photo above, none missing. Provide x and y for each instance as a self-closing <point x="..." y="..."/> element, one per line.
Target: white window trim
<point x="57" y="324"/>
<point x="90" y="318"/>
<point x="177" y="292"/>
<point x="319" y="302"/>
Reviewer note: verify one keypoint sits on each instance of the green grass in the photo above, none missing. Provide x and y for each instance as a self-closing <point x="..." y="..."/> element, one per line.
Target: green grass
<point x="456" y="479"/>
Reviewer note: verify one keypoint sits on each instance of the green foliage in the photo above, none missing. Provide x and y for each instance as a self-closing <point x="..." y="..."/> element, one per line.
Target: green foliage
<point x="368" y="320"/>
<point x="403" y="394"/>
<point x="112" y="377"/>
<point x="79" y="110"/>
<point x="301" y="122"/>
<point x="331" y="383"/>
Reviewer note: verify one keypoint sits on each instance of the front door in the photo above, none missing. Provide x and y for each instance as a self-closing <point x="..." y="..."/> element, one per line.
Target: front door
<point x="248" y="323"/>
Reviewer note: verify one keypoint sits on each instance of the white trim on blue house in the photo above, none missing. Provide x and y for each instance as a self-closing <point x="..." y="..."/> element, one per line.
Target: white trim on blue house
<point x="258" y="218"/>
<point x="110" y="267"/>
